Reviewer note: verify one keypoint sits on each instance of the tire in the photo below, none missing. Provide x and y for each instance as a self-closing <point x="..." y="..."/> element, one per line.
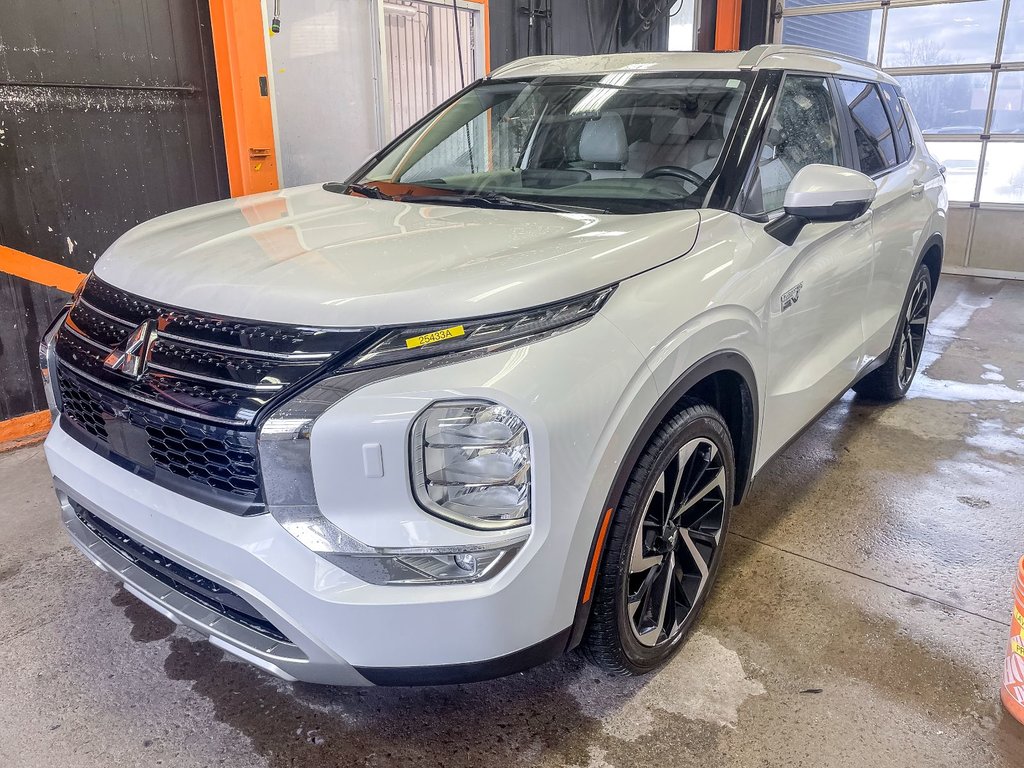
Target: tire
<point x="621" y="635"/>
<point x="891" y="381"/>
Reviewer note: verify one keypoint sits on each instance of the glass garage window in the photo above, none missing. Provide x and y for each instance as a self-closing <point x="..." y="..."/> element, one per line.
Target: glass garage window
<point x="853" y="33"/>
<point x="1008" y="109"/>
<point x="943" y="34"/>
<point x="1013" y="45"/>
<point x="811" y="3"/>
<point x="948" y="102"/>
<point x="1003" y="178"/>
<point x="961" y="159"/>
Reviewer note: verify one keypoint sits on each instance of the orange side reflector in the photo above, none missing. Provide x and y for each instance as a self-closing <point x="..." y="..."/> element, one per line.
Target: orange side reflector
<point x="595" y="559"/>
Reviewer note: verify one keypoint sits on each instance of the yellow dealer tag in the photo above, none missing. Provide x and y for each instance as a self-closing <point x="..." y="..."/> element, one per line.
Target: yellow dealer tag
<point x="435" y="336"/>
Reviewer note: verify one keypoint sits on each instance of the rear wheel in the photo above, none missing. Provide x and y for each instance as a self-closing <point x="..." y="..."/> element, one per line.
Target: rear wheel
<point x="665" y="544"/>
<point x="892" y="380"/>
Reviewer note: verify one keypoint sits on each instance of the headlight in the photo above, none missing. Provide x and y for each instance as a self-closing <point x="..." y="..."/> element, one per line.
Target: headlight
<point x="481" y="333"/>
<point x="291" y="499"/>
<point x="471" y="464"/>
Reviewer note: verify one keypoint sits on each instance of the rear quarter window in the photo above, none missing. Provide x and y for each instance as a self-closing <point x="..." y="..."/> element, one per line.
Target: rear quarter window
<point x="898" y="113"/>
<point x="875" y="140"/>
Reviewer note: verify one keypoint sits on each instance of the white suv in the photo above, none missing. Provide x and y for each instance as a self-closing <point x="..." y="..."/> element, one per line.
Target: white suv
<point x="496" y="396"/>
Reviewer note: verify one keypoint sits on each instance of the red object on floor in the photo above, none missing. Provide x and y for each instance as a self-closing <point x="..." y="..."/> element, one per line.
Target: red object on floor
<point x="1012" y="692"/>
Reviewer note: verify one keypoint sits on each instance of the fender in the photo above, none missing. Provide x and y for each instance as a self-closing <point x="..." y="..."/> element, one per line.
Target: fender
<point x="726" y="360"/>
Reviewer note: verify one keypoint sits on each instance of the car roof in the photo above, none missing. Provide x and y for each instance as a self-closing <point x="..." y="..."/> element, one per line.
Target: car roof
<point x="788" y="57"/>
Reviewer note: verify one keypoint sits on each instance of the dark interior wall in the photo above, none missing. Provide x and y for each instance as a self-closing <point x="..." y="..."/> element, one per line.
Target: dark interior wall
<point x="110" y="116"/>
<point x="618" y="25"/>
<point x="754" y="23"/>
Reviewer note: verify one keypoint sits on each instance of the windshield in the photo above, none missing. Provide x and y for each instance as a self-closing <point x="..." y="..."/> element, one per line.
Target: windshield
<point x="622" y="143"/>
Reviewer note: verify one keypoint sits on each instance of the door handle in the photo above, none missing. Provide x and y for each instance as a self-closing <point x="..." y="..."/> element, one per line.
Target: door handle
<point x="917" y="189"/>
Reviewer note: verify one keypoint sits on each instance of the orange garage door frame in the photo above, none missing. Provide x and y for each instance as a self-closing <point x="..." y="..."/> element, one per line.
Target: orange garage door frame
<point x="240" y="50"/>
<point x="727" y="25"/>
<point x="47" y="273"/>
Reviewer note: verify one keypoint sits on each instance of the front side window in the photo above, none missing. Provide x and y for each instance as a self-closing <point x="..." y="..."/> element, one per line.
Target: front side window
<point x="803" y="130"/>
<point x="627" y="142"/>
<point x="876" y="147"/>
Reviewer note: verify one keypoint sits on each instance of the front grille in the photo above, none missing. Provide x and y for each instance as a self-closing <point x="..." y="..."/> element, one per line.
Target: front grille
<point x="161" y="444"/>
<point x="81" y="407"/>
<point x="226" y="463"/>
<point x="191" y="413"/>
<point x="208" y="593"/>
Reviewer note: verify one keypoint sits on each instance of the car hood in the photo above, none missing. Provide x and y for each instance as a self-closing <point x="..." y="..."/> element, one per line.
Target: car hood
<point x="309" y="256"/>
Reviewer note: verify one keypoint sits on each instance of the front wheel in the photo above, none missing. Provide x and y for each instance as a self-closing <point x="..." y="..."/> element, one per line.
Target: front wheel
<point x="892" y="380"/>
<point x="665" y="544"/>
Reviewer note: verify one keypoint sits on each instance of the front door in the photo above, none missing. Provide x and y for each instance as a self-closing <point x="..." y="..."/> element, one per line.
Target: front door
<point x="819" y="284"/>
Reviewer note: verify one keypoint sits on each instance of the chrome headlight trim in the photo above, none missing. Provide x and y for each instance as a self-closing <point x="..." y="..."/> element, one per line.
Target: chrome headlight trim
<point x="419" y="445"/>
<point x="290" y="498"/>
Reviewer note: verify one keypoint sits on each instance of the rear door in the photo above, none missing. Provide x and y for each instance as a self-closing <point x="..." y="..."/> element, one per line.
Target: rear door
<point x="818" y="284"/>
<point x="880" y="136"/>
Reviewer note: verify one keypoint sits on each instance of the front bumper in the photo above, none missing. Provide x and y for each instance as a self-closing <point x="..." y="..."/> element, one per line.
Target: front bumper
<point x="340" y="629"/>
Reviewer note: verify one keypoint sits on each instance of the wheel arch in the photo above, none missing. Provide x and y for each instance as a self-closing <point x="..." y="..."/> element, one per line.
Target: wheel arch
<point x="931" y="256"/>
<point x="724" y="380"/>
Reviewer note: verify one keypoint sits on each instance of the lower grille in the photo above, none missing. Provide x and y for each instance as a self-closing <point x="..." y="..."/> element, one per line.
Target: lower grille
<point x="208" y="593"/>
<point x="221" y="459"/>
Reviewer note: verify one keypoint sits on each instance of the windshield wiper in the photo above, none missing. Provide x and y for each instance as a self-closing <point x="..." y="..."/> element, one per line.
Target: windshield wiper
<point x="491" y="200"/>
<point x="367" y="191"/>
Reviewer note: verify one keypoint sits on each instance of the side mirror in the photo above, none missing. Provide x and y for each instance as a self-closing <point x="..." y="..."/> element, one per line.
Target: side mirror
<point x="822" y="193"/>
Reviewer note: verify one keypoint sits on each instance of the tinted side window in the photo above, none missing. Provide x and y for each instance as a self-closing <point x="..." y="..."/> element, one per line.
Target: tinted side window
<point x="876" y="147"/>
<point x="803" y="130"/>
<point x="899" y="119"/>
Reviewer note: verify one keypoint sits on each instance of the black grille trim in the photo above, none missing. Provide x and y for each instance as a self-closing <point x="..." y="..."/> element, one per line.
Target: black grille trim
<point x="204" y="591"/>
<point x="213" y="464"/>
<point x="218" y="368"/>
<point x="188" y="422"/>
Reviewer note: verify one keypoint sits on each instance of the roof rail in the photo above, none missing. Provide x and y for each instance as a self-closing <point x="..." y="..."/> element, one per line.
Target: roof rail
<point x="525" y="61"/>
<point x="759" y="53"/>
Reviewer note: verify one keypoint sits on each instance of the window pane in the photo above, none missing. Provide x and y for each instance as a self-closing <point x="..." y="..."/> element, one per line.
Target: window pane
<point x="803" y="130"/>
<point x="961" y="161"/>
<point x="954" y="33"/>
<point x="680" y="27"/>
<point x="948" y="103"/>
<point x="1008" y="114"/>
<point x="854" y="33"/>
<point x="1013" y="45"/>
<point x="1003" y="177"/>
<point x="806" y="3"/>
<point x="895" y="105"/>
<point x="876" y="147"/>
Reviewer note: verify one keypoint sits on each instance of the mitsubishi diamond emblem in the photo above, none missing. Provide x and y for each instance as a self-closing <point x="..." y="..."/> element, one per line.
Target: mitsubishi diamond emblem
<point x="130" y="358"/>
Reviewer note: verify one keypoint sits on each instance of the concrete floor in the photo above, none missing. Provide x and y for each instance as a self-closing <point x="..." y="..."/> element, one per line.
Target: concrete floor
<point x="860" y="619"/>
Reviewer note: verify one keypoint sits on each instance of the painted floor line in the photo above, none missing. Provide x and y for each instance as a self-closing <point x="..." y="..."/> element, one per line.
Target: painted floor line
<point x="879" y="582"/>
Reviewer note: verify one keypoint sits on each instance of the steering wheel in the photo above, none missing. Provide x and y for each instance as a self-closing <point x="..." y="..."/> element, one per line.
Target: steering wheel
<point x="677" y="172"/>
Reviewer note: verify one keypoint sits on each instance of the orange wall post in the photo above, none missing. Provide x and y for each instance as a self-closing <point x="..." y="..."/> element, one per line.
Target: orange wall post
<point x="239" y="45"/>
<point x="727" y="25"/>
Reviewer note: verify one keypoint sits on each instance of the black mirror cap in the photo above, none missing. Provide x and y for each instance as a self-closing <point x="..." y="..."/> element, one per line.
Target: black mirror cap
<point x="844" y="211"/>
<point x="787" y="228"/>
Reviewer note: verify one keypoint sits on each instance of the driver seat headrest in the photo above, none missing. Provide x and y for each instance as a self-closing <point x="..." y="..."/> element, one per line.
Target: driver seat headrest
<point x="604" y="141"/>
